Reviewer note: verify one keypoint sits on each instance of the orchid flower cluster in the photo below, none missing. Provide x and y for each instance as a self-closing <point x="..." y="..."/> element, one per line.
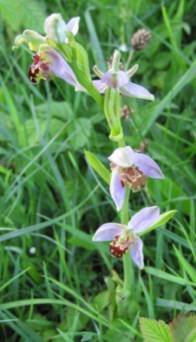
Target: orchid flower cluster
<point x="58" y="54"/>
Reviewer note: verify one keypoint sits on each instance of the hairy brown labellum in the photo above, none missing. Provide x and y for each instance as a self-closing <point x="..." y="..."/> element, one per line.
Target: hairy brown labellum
<point x="38" y="69"/>
<point x="133" y="178"/>
<point x="33" y="73"/>
<point x="118" y="247"/>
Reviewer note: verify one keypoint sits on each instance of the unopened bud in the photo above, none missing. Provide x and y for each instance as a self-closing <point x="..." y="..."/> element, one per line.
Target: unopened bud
<point x="143" y="145"/>
<point x="126" y="112"/>
<point x="140" y="39"/>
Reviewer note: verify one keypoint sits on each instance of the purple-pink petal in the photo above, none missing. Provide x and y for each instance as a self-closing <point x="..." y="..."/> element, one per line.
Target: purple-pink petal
<point x="107" y="232"/>
<point x="147" y="165"/>
<point x="135" y="90"/>
<point x="117" y="190"/>
<point x="115" y="79"/>
<point x="73" y="25"/>
<point x="122" y="156"/>
<point x="144" y="219"/>
<point x="59" y="67"/>
<point x="100" y="86"/>
<point x="136" y="252"/>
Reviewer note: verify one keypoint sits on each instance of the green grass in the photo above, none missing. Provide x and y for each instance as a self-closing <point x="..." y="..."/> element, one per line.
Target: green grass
<point x="51" y="199"/>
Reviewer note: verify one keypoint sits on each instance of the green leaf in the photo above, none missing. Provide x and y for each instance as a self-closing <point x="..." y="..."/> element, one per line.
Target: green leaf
<point x="168" y="26"/>
<point x="101" y="300"/>
<point x="80" y="65"/>
<point x="98" y="166"/>
<point x="155" y="331"/>
<point x="164" y="218"/>
<point x="167" y="276"/>
<point x="58" y="109"/>
<point x="80" y="130"/>
<point x="95" y="43"/>
<point x="176" y="305"/>
<point x="186" y="266"/>
<point x="80" y="59"/>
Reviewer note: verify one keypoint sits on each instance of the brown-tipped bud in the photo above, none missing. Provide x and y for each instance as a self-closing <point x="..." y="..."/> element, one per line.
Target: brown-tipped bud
<point x="126" y="112"/>
<point x="140" y="39"/>
<point x="143" y="146"/>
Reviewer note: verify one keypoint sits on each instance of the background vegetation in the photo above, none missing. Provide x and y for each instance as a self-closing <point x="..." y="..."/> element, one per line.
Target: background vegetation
<point x="55" y="283"/>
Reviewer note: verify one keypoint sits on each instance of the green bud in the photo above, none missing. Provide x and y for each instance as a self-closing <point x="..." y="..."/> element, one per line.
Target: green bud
<point x="112" y="113"/>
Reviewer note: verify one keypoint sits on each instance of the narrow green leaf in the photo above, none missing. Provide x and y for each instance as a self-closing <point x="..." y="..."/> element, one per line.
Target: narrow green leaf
<point x="167" y="276"/>
<point x="176" y="305"/>
<point x="97" y="165"/>
<point x="80" y="65"/>
<point x="168" y="26"/>
<point x="186" y="265"/>
<point x="155" y="331"/>
<point x="95" y="45"/>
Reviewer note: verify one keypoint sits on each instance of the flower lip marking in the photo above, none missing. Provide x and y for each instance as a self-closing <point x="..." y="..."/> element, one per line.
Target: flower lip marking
<point x="33" y="74"/>
<point x="118" y="247"/>
<point x="133" y="178"/>
<point x="36" y="59"/>
<point x="38" y="69"/>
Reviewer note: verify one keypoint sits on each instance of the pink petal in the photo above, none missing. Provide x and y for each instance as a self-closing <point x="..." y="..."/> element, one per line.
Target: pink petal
<point x="107" y="232"/>
<point x="55" y="27"/>
<point x="136" y="252"/>
<point x="122" y="156"/>
<point x="135" y="90"/>
<point x="115" y="79"/>
<point x="101" y="86"/>
<point x="147" y="165"/>
<point x="117" y="191"/>
<point x="123" y="79"/>
<point x="59" y="67"/>
<point x="144" y="219"/>
<point x="73" y="25"/>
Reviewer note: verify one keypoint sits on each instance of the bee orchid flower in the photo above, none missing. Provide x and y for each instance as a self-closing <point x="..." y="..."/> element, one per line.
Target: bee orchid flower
<point x="47" y="63"/>
<point x="126" y="238"/>
<point x="120" y="80"/>
<point x="130" y="169"/>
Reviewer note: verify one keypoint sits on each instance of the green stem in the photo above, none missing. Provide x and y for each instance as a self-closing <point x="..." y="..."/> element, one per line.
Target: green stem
<point x="127" y="264"/>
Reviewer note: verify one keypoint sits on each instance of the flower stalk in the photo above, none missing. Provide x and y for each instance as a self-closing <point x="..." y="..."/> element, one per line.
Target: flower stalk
<point x="58" y="54"/>
<point x="127" y="264"/>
